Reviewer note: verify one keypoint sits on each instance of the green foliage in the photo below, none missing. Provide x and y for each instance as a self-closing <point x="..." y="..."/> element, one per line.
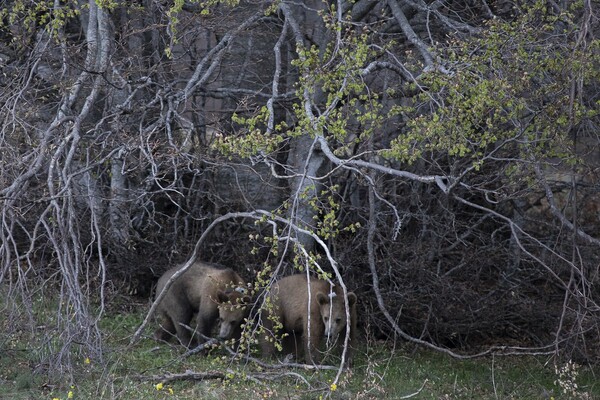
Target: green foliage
<point x="109" y="5"/>
<point x="512" y="86"/>
<point x="252" y="140"/>
<point x="332" y="78"/>
<point x="30" y="15"/>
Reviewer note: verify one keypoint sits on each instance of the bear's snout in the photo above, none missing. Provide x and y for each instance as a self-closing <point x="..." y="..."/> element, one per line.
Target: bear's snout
<point x="226" y="330"/>
<point x="332" y="329"/>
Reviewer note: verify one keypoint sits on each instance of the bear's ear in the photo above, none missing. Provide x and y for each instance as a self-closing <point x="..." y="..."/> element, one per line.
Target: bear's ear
<point x="222" y="297"/>
<point x="351" y="299"/>
<point x="322" y="299"/>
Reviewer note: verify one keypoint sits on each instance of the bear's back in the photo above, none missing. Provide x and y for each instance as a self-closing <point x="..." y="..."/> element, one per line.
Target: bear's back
<point x="201" y="280"/>
<point x="291" y="294"/>
<point x="293" y="289"/>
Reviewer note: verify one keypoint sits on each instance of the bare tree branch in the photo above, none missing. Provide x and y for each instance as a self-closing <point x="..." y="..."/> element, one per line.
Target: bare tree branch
<point x="410" y="33"/>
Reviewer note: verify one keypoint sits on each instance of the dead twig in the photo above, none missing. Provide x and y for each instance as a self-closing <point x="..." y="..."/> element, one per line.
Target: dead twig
<point x="184" y="376"/>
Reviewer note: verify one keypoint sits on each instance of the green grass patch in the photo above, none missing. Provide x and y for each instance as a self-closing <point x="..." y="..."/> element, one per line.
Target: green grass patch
<point x="380" y="371"/>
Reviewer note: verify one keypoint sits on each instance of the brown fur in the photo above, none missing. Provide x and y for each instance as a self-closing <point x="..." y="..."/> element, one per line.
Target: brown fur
<point x="210" y="292"/>
<point x="289" y="298"/>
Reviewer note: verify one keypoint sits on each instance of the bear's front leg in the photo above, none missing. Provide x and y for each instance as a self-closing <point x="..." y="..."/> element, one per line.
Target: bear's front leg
<point x="208" y="313"/>
<point x="166" y="330"/>
<point x="181" y="319"/>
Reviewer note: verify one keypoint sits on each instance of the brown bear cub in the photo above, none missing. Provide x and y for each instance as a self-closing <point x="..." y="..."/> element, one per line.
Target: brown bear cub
<point x="289" y="301"/>
<point x="212" y="293"/>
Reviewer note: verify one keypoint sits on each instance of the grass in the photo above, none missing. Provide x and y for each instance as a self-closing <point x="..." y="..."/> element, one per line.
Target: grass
<point x="381" y="370"/>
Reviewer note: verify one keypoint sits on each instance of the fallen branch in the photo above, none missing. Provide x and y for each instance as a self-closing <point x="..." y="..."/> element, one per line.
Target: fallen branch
<point x="185" y="376"/>
<point x="201" y="347"/>
<point x="284" y="364"/>
<point x="188" y="375"/>
<point x="408" y="396"/>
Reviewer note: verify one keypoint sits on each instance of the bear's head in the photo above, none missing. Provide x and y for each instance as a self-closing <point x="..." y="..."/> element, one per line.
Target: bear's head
<point x="234" y="306"/>
<point x="333" y="312"/>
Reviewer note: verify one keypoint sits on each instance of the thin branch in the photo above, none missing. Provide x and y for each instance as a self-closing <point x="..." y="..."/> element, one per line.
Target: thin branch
<point x="377" y="65"/>
<point x="409" y="396"/>
<point x="441" y="181"/>
<point x="184" y="376"/>
<point x="410" y="33"/>
<point x="450" y="23"/>
<point x="276" y="77"/>
<point x="202" y="73"/>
